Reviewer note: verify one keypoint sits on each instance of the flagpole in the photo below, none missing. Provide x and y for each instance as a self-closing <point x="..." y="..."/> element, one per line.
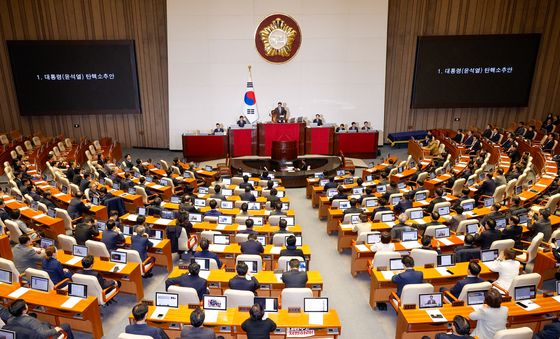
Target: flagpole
<point x="251" y="76"/>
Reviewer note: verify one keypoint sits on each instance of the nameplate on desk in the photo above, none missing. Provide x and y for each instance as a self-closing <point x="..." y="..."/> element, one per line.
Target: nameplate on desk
<point x="23" y="208"/>
<point x="446" y="241"/>
<point x="162" y="221"/>
<point x="294" y="309"/>
<point x="183" y="267"/>
<point x="211" y="316"/>
<point x="409" y="306"/>
<point x="316" y="318"/>
<point x="157" y="187"/>
<point x="387" y="275"/>
<point x="362" y="248"/>
<point x="299" y="332"/>
<point x="458" y="303"/>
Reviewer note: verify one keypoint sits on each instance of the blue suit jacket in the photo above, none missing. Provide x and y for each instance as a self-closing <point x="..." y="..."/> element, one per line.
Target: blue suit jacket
<point x="55" y="270"/>
<point x="141" y="244"/>
<point x="241" y="283"/>
<point x="456" y="290"/>
<point x="187" y="280"/>
<point x="407" y="277"/>
<point x="111" y="239"/>
<point x="144" y="329"/>
<point x="208" y="254"/>
<point x="213" y="213"/>
<point x="251" y="247"/>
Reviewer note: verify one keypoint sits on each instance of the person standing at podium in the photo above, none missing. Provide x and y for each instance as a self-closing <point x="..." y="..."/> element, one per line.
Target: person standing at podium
<point x="281" y="113"/>
<point x="242" y="121"/>
<point x="318" y="121"/>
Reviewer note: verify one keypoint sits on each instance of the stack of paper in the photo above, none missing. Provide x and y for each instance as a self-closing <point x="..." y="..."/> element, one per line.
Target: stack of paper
<point x="316" y="318"/>
<point x="211" y="316"/>
<point x="436" y="316"/>
<point x="220" y="227"/>
<point x="18" y="293"/>
<point x="159" y="313"/>
<point x="216" y="248"/>
<point x="132" y="217"/>
<point x="411" y="244"/>
<point x="39" y="216"/>
<point x="362" y="248"/>
<point x="446" y="241"/>
<point x="388" y="275"/>
<point x="275" y="250"/>
<point x="73" y="261"/>
<point x="443" y="271"/>
<point x="71" y="302"/>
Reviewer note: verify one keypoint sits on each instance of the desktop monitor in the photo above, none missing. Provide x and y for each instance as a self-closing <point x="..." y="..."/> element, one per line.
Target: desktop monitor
<point x="444" y="210"/>
<point x="149" y="178"/>
<point x="430" y="300"/>
<point x="227" y="192"/>
<point x="221" y="239"/>
<point x="176" y="199"/>
<point x="354" y="219"/>
<point x="488" y="255"/>
<point x="419" y="214"/>
<point x="319" y="175"/>
<point x="344" y="205"/>
<point x="46" y="242"/>
<point x="7" y="334"/>
<point x="204" y="263"/>
<point x="39" y="284"/>
<point x="51" y="212"/>
<point x="340" y="173"/>
<point x="331" y="192"/>
<point x="77" y="290"/>
<point x="445" y="260"/>
<point x="420" y="196"/>
<point x="131" y="190"/>
<point x="63" y="188"/>
<point x="315" y="304"/>
<point x="369" y="177"/>
<point x="203" y="190"/>
<point x="410" y="235"/>
<point x="165" y="214"/>
<point x="285" y="206"/>
<point x="371" y="202"/>
<point x="141" y="210"/>
<point x="442" y="232"/>
<point x="195" y="217"/>
<point x="557" y="287"/>
<point x="373" y="238"/>
<point x="79" y="251"/>
<point x="525" y="292"/>
<point x="357" y="190"/>
<point x="470" y="182"/>
<point x="472" y="228"/>
<point x="432" y="175"/>
<point x="488" y="202"/>
<point x="5" y="276"/>
<point x="118" y="257"/>
<point x="518" y="190"/>
<point x="395" y="200"/>
<point x="267" y="304"/>
<point x="500" y="223"/>
<point x="302" y="266"/>
<point x="476" y="297"/>
<point x="156" y="234"/>
<point x="128" y="230"/>
<point x="468" y="206"/>
<point x="257" y="221"/>
<point x="387" y="217"/>
<point x="280" y="193"/>
<point x="167" y="300"/>
<point x="348" y="181"/>
<point x="225" y="219"/>
<point x="34" y="205"/>
<point x="252" y="265"/>
<point x="199" y="202"/>
<point x="299" y="240"/>
<point x="225" y="204"/>
<point x="254" y="206"/>
<point x="163" y="182"/>
<point x="95" y="200"/>
<point x="401" y="185"/>
<point x="208" y="168"/>
<point x="381" y="188"/>
<point x="323" y="182"/>
<point x="226" y="181"/>
<point x="116" y="186"/>
<point x="262" y="240"/>
<point x="213" y="302"/>
<point x="523" y="218"/>
<point x="400" y="169"/>
<point x="396" y="264"/>
<point x="290" y="221"/>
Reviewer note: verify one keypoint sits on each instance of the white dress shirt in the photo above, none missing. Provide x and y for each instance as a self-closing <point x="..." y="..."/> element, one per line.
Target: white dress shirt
<point x="507" y="270"/>
<point x="489" y="321"/>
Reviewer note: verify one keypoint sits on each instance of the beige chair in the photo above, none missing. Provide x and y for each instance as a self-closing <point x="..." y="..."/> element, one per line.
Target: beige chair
<point x="527" y="257"/>
<point x="458" y="186"/>
<point x="422" y="257"/>
<point x="210" y="219"/>
<point x="284" y="260"/>
<point x="441" y="204"/>
<point x="133" y="256"/>
<point x="68" y="222"/>
<point x="274" y="220"/>
<point x="240" y="219"/>
<point x="393" y="196"/>
<point x="528" y="279"/>
<point x="14" y="230"/>
<point x="410" y="295"/>
<point x="482" y="286"/>
<point x="33" y="272"/>
<point x="164" y="165"/>
<point x="66" y="242"/>
<point x="431" y="230"/>
<point x="378" y="215"/>
<point x="462" y="227"/>
<point x="94" y="289"/>
<point x="551" y="204"/>
<point x="8" y="265"/>
<point x="182" y="241"/>
<point x="97" y="249"/>
<point x="279" y="239"/>
<point x="348" y="218"/>
<point x="502" y="245"/>
<point x="500" y="194"/>
<point x="28" y="145"/>
<point x="241" y="237"/>
<point x="237" y="298"/>
<point x="294" y="297"/>
<point x="362" y="237"/>
<point x="209" y="235"/>
<point x="187" y="295"/>
<point x="410" y="210"/>
<point x="141" y="191"/>
<point x="250" y="257"/>
<point x="382" y="259"/>
<point x="514" y="333"/>
<point x="510" y="188"/>
<point x="365" y="201"/>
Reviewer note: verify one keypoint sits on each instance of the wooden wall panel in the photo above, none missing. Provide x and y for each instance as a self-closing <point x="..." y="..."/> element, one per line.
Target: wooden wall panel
<point x="410" y="18"/>
<point x="144" y="21"/>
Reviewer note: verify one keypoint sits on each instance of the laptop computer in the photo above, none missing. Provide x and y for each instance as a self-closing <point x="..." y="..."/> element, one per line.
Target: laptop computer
<point x="315" y="305"/>
<point x="488" y="255"/>
<point x="77" y="290"/>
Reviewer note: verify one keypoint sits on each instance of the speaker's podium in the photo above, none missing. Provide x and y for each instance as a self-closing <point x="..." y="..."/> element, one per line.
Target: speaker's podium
<point x="269" y="132"/>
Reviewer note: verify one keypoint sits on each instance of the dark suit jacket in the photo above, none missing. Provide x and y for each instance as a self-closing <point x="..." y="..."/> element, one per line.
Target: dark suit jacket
<point x="141" y="244"/>
<point x="409" y="276"/>
<point x="292" y="252"/>
<point x="294" y="279"/>
<point x="187" y="280"/>
<point x="433" y="202"/>
<point x="330" y="185"/>
<point x="197" y="333"/>
<point x="84" y="232"/>
<point x="487" y="188"/>
<point x="456" y="290"/>
<point x="246" y="184"/>
<point x="42" y="329"/>
<point x="111" y="239"/>
<point x="76" y="208"/>
<point x="466" y="253"/>
<point x="104" y="283"/>
<point x="247" y="196"/>
<point x="550" y="331"/>
<point x="251" y="247"/>
<point x="241" y="283"/>
<point x="144" y="329"/>
<point x="403" y="205"/>
<point x="208" y="254"/>
<point x="452" y="336"/>
<point x="542" y="226"/>
<point x="338" y="196"/>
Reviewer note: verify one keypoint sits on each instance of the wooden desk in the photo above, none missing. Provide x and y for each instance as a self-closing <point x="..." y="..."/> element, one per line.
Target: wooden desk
<point x="269" y="132"/>
<point x="204" y="147"/>
<point x="84" y="316"/>
<point x="381" y="287"/>
<point x="270" y="284"/>
<point x="229" y="323"/>
<point x="234" y="229"/>
<point x="130" y="276"/>
<point x="51" y="226"/>
<point x="319" y="140"/>
<point x="415" y="323"/>
<point x="242" y="141"/>
<point x="361" y="145"/>
<point x="5" y="248"/>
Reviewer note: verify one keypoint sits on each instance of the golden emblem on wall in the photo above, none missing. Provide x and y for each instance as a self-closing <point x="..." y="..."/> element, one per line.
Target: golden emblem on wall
<point x="278" y="38"/>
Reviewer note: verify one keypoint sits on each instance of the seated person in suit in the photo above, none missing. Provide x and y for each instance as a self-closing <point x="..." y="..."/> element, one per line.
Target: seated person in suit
<point x="294" y="278"/>
<point x="291" y="248"/>
<point x="243" y="209"/>
<point x="255" y="326"/>
<point x="241" y="122"/>
<point x="24" y="255"/>
<point x="549" y="331"/>
<point x="277" y="209"/>
<point x="249" y="227"/>
<point x="341" y="128"/>
<point x="409" y="276"/>
<point x="86" y="230"/>
<point x="154" y="209"/>
<point x="76" y="207"/>
<point x="141" y="243"/>
<point x="398" y="229"/>
<point x="273" y="196"/>
<point x="241" y="281"/>
<point x="330" y="184"/>
<point x="318" y="121"/>
<point x="218" y="129"/>
<point x="507" y="268"/>
<point x="205" y="253"/>
<point x="488" y="234"/>
<point x="54" y="268"/>
<point x="21" y="319"/>
<point x="459" y="330"/>
<point x="87" y="269"/>
<point x="218" y="193"/>
<point x="339" y="195"/>
<point x="112" y="236"/>
<point x="213" y="212"/>
<point x="540" y="224"/>
<point x="366" y="126"/>
<point x="383" y="206"/>
<point x="142" y="183"/>
<point x="246" y="183"/>
<point x="468" y="251"/>
<point x="46" y="199"/>
<point x="426" y="242"/>
<point x="252" y="246"/>
<point x="455" y="220"/>
<point x="473" y="270"/>
<point x="140" y="327"/>
<point x="283" y="227"/>
<point x="353" y="208"/>
<point x="392" y="189"/>
<point x="190" y="280"/>
<point x="438" y="197"/>
<point x="494" y="214"/>
<point x="513" y="231"/>
<point x="247" y="196"/>
<point x="404" y="203"/>
<point x="15" y="217"/>
<point x="487" y="187"/>
<point x="197" y="330"/>
<point x="491" y="317"/>
<point x="353" y="127"/>
<point x="385" y="245"/>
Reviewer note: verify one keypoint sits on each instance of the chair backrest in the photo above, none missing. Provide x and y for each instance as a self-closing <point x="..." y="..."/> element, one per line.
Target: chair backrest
<point x="93" y="287"/>
<point x="250" y="257"/>
<point x="97" y="248"/>
<point x="441" y="204"/>
<point x="279" y="239"/>
<point x="209" y="218"/>
<point x="9" y="265"/>
<point x="133" y="336"/>
<point x="15" y="232"/>
<point x="241" y="237"/>
<point x="410" y="293"/>
<point x="336" y="202"/>
<point x="383" y="258"/>
<point x="422" y="176"/>
<point x="142" y="192"/>
<point x="502" y="245"/>
<point x="462" y="227"/>
<point x="109" y="182"/>
<point x="422" y="257"/>
<point x="187" y="295"/>
<point x="74" y="189"/>
<point x="209" y="235"/>
<point x="555" y="235"/>
<point x="552" y="203"/>
<point x="510" y="188"/>
<point x="527" y="279"/>
<point x="164" y="165"/>
<point x="183" y="239"/>
<point x="274" y="220"/>
<point x="410" y="210"/>
<point x="66" y="242"/>
<point x="293" y="297"/>
<point x="282" y="261"/>
<point x="533" y="248"/>
<point x="514" y="333"/>
<point x="482" y="286"/>
<point x="348" y="218"/>
<point x="378" y="215"/>
<point x="431" y="230"/>
<point x="240" y="219"/>
<point x="500" y="193"/>
<point x="68" y="142"/>
<point x="28" y="145"/>
<point x="365" y="200"/>
<point x="238" y="298"/>
<point x="362" y="237"/>
<point x="33" y="272"/>
<point x="36" y="141"/>
<point x="63" y="214"/>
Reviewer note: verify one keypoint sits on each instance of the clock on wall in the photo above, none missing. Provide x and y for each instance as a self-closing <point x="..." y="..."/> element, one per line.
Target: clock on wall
<point x="278" y="38"/>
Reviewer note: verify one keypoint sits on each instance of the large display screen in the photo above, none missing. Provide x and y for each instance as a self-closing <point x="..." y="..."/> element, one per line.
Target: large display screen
<point x="75" y="76"/>
<point x="474" y="70"/>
